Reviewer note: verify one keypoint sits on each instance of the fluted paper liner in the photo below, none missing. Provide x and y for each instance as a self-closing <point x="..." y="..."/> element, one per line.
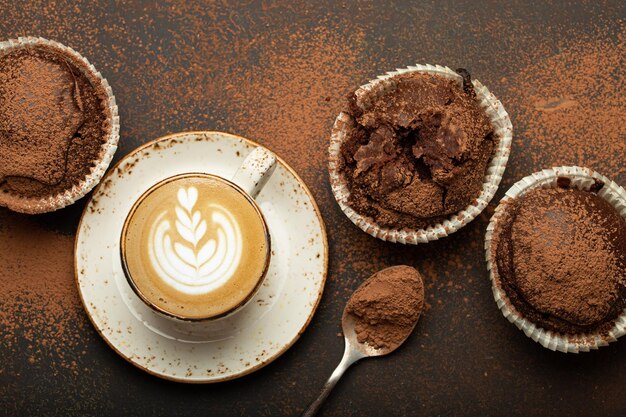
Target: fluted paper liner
<point x="581" y="178"/>
<point x="31" y="205"/>
<point x="503" y="131"/>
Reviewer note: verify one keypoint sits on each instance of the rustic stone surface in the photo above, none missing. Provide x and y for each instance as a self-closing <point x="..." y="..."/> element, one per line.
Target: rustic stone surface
<point x="278" y="74"/>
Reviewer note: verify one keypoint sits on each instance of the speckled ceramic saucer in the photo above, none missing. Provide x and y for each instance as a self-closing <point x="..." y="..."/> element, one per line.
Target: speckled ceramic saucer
<point x="211" y="351"/>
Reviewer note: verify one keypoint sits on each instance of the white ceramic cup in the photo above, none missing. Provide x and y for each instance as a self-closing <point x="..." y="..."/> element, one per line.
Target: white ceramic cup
<point x="249" y="180"/>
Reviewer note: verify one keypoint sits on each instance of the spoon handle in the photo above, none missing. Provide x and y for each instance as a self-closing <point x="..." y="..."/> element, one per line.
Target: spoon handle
<point x="349" y="357"/>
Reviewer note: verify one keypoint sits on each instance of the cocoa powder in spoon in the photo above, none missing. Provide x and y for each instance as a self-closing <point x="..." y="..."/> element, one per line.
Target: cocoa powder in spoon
<point x="387" y="306"/>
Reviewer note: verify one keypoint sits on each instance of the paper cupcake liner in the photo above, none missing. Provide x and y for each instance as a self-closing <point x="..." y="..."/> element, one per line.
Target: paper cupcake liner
<point x="581" y="178"/>
<point x="31" y="205"/>
<point x="502" y="129"/>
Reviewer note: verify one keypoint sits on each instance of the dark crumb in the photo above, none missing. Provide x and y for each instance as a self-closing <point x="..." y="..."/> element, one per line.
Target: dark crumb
<point x="596" y="186"/>
<point x="563" y="182"/>
<point x="468" y="87"/>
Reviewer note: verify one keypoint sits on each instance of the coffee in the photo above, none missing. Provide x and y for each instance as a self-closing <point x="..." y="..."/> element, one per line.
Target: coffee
<point x="195" y="246"/>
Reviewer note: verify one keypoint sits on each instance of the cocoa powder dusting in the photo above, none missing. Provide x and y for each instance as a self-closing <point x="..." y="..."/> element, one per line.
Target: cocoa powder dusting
<point x="387" y="306"/>
<point x="570" y="108"/>
<point x="290" y="98"/>
<point x="53" y="122"/>
<point x="41" y="316"/>
<point x="39" y="113"/>
<point x="561" y="258"/>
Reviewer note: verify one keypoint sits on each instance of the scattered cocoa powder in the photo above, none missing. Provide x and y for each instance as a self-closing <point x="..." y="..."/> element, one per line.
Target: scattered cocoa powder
<point x="387" y="306"/>
<point x="41" y="316"/>
<point x="291" y="97"/>
<point x="53" y="121"/>
<point x="569" y="108"/>
<point x="418" y="151"/>
<point x="561" y="259"/>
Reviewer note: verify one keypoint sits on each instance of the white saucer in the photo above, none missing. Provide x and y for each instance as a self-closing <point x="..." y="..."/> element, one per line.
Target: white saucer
<point x="222" y="349"/>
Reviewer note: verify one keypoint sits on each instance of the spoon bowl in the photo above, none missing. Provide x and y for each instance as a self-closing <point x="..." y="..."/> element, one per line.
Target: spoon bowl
<point x="355" y="350"/>
<point x="348" y="324"/>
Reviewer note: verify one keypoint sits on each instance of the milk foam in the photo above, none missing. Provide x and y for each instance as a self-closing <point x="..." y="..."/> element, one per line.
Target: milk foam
<point x="180" y="254"/>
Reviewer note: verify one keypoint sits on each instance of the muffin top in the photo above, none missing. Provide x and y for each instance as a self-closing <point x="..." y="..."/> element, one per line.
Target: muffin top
<point x="561" y="259"/>
<point x="53" y="121"/>
<point x="418" y="151"/>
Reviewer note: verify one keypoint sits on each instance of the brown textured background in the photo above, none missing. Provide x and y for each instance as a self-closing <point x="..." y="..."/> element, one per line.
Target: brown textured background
<point x="277" y="73"/>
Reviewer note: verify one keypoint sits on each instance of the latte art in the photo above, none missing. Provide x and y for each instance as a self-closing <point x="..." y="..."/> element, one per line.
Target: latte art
<point x="195" y="264"/>
<point x="194" y="246"/>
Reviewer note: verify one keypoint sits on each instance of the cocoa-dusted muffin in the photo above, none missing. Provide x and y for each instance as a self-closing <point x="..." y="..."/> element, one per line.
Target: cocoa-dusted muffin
<point x="560" y="257"/>
<point x="418" y="152"/>
<point x="54" y="121"/>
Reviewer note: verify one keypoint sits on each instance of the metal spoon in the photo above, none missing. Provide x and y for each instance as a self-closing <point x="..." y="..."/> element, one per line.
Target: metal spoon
<point x="353" y="352"/>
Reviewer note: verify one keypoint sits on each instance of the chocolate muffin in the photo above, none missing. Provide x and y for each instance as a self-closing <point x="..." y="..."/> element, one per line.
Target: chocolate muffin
<point x="54" y="121"/>
<point x="560" y="257"/>
<point x="418" y="152"/>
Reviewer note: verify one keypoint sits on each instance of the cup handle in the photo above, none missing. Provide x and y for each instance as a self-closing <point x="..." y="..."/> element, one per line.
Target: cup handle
<point x="255" y="171"/>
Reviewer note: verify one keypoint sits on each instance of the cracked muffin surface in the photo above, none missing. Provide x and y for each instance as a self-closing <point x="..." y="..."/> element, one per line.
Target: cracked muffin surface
<point x="417" y="153"/>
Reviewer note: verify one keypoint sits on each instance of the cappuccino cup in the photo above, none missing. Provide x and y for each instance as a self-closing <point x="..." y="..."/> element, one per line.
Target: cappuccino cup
<point x="196" y="246"/>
